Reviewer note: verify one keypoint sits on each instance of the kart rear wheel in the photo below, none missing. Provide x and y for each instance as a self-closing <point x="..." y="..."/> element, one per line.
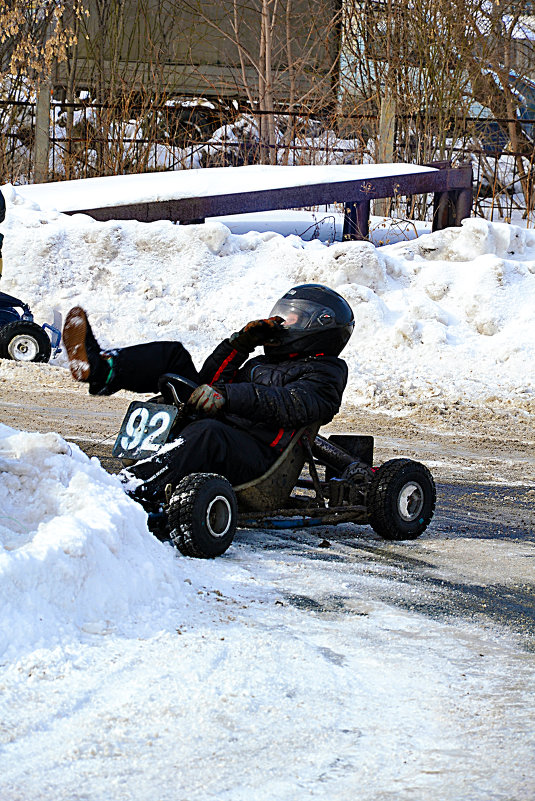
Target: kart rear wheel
<point x="24" y="341"/>
<point x="202" y="515"/>
<point x="401" y="499"/>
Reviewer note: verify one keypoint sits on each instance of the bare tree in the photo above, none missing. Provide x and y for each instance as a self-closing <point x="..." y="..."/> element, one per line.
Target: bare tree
<point x="412" y="56"/>
<point x="496" y="27"/>
<point x="131" y="58"/>
<point x="287" y="54"/>
<point x="435" y="65"/>
<point x="35" y="35"/>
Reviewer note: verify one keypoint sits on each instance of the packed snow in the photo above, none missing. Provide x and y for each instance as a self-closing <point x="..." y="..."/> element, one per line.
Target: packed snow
<point x="130" y="672"/>
<point x="77" y="558"/>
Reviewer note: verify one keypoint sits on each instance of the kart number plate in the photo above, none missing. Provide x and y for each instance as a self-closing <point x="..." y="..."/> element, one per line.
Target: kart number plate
<point x="144" y="430"/>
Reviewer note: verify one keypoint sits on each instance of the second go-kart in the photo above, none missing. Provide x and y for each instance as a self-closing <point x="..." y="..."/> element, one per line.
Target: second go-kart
<point x="21" y="338"/>
<point x="316" y="481"/>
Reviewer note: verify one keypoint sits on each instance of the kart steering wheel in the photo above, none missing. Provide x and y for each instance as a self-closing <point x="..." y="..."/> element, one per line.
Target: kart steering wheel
<point x="175" y="388"/>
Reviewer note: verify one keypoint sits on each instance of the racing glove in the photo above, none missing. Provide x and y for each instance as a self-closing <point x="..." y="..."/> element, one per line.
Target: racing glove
<point x="257" y="332"/>
<point x="207" y="400"/>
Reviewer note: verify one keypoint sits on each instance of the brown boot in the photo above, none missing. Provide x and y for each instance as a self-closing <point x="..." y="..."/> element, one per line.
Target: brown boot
<point x="83" y="350"/>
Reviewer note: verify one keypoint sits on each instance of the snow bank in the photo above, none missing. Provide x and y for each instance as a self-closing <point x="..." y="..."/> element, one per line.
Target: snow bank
<point x="76" y="556"/>
<point x="440" y="317"/>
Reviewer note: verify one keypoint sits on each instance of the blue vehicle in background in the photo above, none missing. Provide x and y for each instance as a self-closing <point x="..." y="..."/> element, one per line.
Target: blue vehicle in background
<point x="21" y="338"/>
<point x="493" y="133"/>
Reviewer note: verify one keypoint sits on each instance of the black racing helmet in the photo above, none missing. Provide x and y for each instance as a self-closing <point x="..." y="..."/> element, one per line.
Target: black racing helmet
<point x="318" y="321"/>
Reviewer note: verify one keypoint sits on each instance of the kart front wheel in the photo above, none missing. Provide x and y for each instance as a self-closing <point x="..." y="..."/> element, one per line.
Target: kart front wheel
<point x="202" y="515"/>
<point x="24" y="341"/>
<point x="401" y="499"/>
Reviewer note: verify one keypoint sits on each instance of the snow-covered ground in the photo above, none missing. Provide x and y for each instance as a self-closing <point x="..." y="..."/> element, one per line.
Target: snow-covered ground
<point x="130" y="672"/>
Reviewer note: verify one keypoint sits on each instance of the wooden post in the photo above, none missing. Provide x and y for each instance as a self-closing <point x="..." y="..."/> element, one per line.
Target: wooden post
<point x="385" y="144"/>
<point x="42" y="132"/>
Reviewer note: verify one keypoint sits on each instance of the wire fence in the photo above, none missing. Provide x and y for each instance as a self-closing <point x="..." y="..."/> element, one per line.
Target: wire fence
<point x="88" y="140"/>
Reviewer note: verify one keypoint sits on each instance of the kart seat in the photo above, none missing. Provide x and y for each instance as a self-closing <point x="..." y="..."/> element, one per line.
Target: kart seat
<point x="273" y="488"/>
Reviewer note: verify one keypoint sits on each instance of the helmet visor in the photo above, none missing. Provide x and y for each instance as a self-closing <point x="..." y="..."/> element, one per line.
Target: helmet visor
<point x="300" y="315"/>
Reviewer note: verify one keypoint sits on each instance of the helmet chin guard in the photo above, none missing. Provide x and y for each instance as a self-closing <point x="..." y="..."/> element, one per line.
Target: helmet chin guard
<point x="317" y="321"/>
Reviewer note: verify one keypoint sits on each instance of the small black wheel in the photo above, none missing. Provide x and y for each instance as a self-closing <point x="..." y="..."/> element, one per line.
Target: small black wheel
<point x="202" y="515"/>
<point x="401" y="499"/>
<point x="24" y="341"/>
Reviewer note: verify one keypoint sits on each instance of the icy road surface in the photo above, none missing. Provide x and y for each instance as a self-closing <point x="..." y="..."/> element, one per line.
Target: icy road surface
<point x="288" y="680"/>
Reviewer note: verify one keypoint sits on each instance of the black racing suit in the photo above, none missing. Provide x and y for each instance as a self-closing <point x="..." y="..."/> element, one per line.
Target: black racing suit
<point x="266" y="402"/>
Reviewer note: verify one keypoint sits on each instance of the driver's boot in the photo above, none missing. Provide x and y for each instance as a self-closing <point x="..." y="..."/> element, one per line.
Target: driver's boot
<point x="86" y="360"/>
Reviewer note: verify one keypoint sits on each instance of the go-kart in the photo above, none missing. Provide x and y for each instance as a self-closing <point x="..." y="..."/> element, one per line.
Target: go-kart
<point x="20" y="337"/>
<point x="316" y="481"/>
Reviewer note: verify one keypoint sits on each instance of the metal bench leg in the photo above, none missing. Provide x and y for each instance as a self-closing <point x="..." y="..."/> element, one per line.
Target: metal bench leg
<point x="356" y="220"/>
<point x="463" y="206"/>
<point x="449" y="208"/>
